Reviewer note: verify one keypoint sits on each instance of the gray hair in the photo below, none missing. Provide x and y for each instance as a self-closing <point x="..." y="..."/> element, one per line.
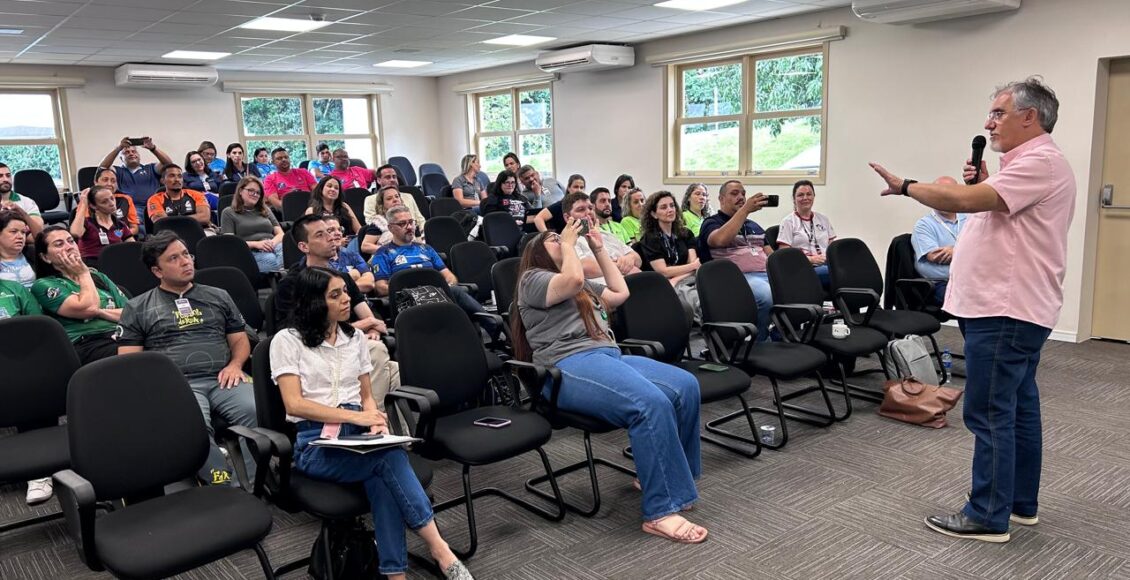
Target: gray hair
<point x="1032" y="93"/>
<point x="393" y="211"/>
<point x="686" y="205"/>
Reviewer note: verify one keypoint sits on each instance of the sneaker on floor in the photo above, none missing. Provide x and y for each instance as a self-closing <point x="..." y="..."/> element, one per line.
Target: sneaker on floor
<point x="960" y="526"/>
<point x="39" y="490"/>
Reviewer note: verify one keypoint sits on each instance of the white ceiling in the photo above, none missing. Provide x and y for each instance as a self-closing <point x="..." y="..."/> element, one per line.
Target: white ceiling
<point x="364" y="32"/>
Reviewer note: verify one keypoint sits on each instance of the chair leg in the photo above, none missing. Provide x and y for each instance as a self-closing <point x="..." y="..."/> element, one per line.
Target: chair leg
<point x="9" y="526"/>
<point x="858" y="392"/>
<point x="590" y="463"/>
<point x="753" y="440"/>
<point x="264" y="562"/>
<point x="938" y="358"/>
<point x="469" y="496"/>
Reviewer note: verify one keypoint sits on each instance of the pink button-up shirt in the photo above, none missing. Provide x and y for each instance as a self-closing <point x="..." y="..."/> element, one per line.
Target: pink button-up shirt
<point x="1011" y="263"/>
<point x="353" y="177"/>
<point x="279" y="184"/>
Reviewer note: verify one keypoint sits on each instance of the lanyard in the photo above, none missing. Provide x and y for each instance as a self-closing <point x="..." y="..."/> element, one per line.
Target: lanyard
<point x="810" y="231"/>
<point x="952" y="231"/>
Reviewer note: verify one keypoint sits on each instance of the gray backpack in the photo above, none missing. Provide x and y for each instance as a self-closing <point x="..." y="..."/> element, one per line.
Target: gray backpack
<point x="910" y="359"/>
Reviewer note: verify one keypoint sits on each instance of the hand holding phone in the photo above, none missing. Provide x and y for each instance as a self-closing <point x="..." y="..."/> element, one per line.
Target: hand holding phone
<point x="773" y="200"/>
<point x="136" y="141"/>
<point x="584" y="227"/>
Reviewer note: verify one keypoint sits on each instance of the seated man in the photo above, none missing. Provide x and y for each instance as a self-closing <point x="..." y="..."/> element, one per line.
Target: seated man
<point x="578" y="206"/>
<point x="137" y="180"/>
<point x="403" y="253"/>
<point x="542" y="193"/>
<point x="386" y="177"/>
<point x="202" y="331"/>
<point x="934" y="238"/>
<point x="315" y="238"/>
<point x="9" y="198"/>
<point x="551" y="218"/>
<point x="730" y="235"/>
<point x="350" y="177"/>
<point x="125" y="210"/>
<point x="323" y="164"/>
<point x="285" y="179"/>
<point x="601" y="200"/>
<point x="349" y="261"/>
<point x="176" y="200"/>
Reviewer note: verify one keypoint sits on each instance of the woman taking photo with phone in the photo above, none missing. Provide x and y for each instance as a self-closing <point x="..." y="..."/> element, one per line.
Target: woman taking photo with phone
<point x="560" y="319"/>
<point x="322" y="367"/>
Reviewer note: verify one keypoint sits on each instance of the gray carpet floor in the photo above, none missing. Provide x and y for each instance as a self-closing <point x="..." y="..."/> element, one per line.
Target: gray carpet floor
<point x="840" y="502"/>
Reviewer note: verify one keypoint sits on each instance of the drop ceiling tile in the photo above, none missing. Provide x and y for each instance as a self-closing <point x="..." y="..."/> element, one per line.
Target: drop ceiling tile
<point x="532" y="4"/>
<point x="124" y="13"/>
<point x="382" y="18"/>
<point x="234" y="7"/>
<point x="548" y="18"/>
<point x="685" y="17"/>
<point x="645" y="12"/>
<point x="511" y="28"/>
<point x="39" y="8"/>
<point x="198" y="30"/>
<point x="490" y="13"/>
<point x="97" y="28"/>
<point x="350" y="4"/>
<point x="604" y="22"/>
<point x="303" y="12"/>
<point x="595" y="7"/>
<point x="26" y="21"/>
<point x="160" y="37"/>
<point x="425" y="7"/>
<point x="651" y="27"/>
<point x="570" y="32"/>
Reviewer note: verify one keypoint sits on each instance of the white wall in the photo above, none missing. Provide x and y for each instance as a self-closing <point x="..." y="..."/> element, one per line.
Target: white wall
<point x="910" y="97"/>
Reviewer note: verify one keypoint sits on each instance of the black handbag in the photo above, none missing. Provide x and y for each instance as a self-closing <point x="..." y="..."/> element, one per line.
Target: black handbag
<point x="417" y="295"/>
<point x="352" y="553"/>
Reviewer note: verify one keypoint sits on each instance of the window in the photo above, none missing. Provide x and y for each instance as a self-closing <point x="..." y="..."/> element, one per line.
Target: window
<point x="31" y="135"/>
<point x="300" y="122"/>
<point x="759" y="117"/>
<point x="518" y="120"/>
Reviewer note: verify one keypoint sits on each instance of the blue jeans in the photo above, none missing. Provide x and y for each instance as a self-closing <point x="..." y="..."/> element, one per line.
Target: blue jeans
<point x="395" y="495"/>
<point x="1002" y="410"/>
<point x="236" y="406"/>
<point x="822" y="274"/>
<point x="940" y="292"/>
<point x="657" y="403"/>
<point x="763" y="294"/>
<point x="269" y="261"/>
<point x="464" y="300"/>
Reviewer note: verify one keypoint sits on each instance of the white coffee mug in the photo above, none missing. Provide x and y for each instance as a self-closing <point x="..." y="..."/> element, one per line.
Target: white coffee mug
<point x="840" y="330"/>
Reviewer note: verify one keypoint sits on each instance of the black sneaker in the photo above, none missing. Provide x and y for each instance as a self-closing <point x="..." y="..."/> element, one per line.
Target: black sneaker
<point x="959" y="526"/>
<point x="1015" y="517"/>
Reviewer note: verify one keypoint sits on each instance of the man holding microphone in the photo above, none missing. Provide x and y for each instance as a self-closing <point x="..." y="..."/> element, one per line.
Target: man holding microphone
<point x="1006" y="289"/>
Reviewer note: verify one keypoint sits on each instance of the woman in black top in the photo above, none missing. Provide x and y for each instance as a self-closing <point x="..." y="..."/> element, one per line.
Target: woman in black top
<point x="504" y="196"/>
<point x="668" y="247"/>
<point x="326" y="200"/>
<point x="237" y="166"/>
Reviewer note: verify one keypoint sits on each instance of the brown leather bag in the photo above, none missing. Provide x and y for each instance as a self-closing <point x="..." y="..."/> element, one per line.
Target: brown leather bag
<point x="911" y="401"/>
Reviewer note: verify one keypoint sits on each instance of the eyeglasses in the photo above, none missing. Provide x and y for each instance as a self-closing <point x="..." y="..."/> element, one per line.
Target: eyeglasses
<point x="403" y="224"/>
<point x="252" y="190"/>
<point x="510" y="183"/>
<point x="996" y="114"/>
<point x="553" y="237"/>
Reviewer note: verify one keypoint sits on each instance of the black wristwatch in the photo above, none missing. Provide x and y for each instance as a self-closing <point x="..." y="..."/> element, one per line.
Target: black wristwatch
<point x="906" y="186"/>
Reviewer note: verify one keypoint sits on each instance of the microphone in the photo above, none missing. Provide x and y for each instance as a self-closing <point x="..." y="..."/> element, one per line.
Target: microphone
<point x="975" y="158"/>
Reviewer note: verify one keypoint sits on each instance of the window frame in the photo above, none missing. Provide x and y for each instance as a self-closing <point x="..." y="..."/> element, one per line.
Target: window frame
<point x="516" y="132"/>
<point x="308" y="135"/>
<point x="60" y="140"/>
<point x="674" y="122"/>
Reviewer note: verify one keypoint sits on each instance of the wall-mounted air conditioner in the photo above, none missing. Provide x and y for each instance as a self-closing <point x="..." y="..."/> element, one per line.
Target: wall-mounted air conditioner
<point x="586" y="58"/>
<point x="165" y="76"/>
<point x="914" y="11"/>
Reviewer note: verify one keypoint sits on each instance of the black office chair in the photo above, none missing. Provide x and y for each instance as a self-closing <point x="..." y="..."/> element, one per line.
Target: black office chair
<point x="38" y="361"/>
<point x="472" y="262"/>
<point x="443" y="232"/>
<point x="433" y="184"/>
<point x="86" y="177"/>
<point x="857" y="284"/>
<point x="305" y="164"/>
<point x="794" y="281"/>
<point x="500" y="231"/>
<point x="185" y="227"/>
<point x="230" y="250"/>
<point x="443" y="207"/>
<point x="357" y="163"/>
<point x="416" y="277"/>
<point x="504" y="280"/>
<point x="728" y="309"/>
<point x="355" y="197"/>
<point x="423" y="203"/>
<point x="225" y="202"/>
<point x="430" y="168"/>
<point x="235" y="283"/>
<point x="771" y="236"/>
<point x="404" y="169"/>
<point x="905" y="289"/>
<point x="526" y="239"/>
<point x="227" y="188"/>
<point x="122" y="264"/>
<point x="40" y="186"/>
<point x="153" y="535"/>
<point x="447" y="399"/>
<point x="294" y="205"/>
<point x="291" y="253"/>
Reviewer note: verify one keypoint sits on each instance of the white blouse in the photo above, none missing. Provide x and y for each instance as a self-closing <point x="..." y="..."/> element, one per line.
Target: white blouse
<point x="811" y="236"/>
<point x="329" y="374"/>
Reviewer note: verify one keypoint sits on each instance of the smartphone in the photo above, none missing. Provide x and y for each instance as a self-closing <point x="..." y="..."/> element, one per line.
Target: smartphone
<point x="584" y="226"/>
<point x="361" y="437"/>
<point x="774" y="200"/>
<point x="136" y="141"/>
<point x="714" y="367"/>
<point x="492" y="422"/>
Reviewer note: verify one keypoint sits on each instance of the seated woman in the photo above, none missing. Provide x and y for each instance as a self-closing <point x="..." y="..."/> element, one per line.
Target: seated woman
<point x="322" y="368"/>
<point x="262" y="163"/>
<point x="696" y="206"/>
<point x="84" y="301"/>
<point x="252" y="221"/>
<point x="505" y="197"/>
<point x="96" y="224"/>
<point x="200" y="177"/>
<point x="376" y="233"/>
<point x="14" y="266"/>
<point x="237" y="167"/>
<point x="326" y="200"/>
<point x="208" y="150"/>
<point x="466" y="188"/>
<point x="668" y="247"/>
<point x="624" y="184"/>
<point x="562" y="320"/>
<point x="807" y="230"/>
<point x="633" y="212"/>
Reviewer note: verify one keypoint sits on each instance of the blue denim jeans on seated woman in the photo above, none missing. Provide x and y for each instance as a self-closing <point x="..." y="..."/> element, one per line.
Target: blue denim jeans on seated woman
<point x="269" y="261"/>
<point x="395" y="495"/>
<point x="657" y="403"/>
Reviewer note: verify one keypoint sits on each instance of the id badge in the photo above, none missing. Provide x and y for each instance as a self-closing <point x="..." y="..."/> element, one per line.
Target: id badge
<point x="103" y="238"/>
<point x="183" y="306"/>
<point x="330" y="430"/>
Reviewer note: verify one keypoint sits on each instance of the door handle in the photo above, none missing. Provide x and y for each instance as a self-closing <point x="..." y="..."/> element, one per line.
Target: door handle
<point x="1106" y="198"/>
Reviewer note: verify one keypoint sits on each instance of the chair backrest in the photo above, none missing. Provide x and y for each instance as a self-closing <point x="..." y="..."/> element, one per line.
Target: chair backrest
<point x="227" y="250"/>
<point x="38" y="185"/>
<point x="305" y="164"/>
<point x="38" y="360"/>
<point x="185" y="227"/>
<point x="227" y="188"/>
<point x="526" y="239"/>
<point x="355" y="197"/>
<point x="122" y="264"/>
<point x="771" y="236"/>
<point x="291" y="253"/>
<point x="900" y="265"/>
<point x="471" y="262"/>
<point x="270" y="413"/>
<point x="357" y="163"/>
<point x="444" y="206"/>
<point x="499" y="229"/>
<point x="411" y="279"/>
<point x="86" y="177"/>
<point x="235" y="283"/>
<point x="794" y="281"/>
<point x="294" y="205"/>
<point x="504" y="280"/>
<point x="422" y="201"/>
<point x="404" y="168"/>
<point x="653" y="312"/>
<point x="270" y="322"/>
<point x="430" y="168"/>
<point x="136" y="432"/>
<point x="443" y="231"/>
<point x="433" y="183"/>
<point x="428" y="329"/>
<point x="225" y="201"/>
<point x="724" y="294"/>
<point x="851" y="265"/>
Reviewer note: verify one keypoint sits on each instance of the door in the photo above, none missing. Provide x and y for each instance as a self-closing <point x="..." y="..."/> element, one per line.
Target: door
<point x="1112" y="272"/>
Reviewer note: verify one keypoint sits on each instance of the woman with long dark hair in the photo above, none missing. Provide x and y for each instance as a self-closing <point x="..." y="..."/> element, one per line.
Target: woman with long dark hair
<point x="96" y="224"/>
<point x="322" y="366"/>
<point x="326" y="200"/>
<point x="560" y="319"/>
<point x="505" y="197"/>
<point x="237" y="166"/>
<point x="668" y="247"/>
<point x="695" y="206"/>
<point x="624" y="184"/>
<point x="198" y="176"/>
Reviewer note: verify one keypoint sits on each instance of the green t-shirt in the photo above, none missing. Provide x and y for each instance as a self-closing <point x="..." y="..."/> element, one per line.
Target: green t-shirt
<point x="632" y="227"/>
<point x="617" y="229"/>
<point x="15" y="300"/>
<point x="692" y="221"/>
<point x="52" y="291"/>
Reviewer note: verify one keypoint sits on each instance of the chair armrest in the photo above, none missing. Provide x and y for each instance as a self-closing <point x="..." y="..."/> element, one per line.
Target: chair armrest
<point x="648" y="348"/>
<point x="815" y="317"/>
<point x="419" y="400"/>
<point x="840" y="299"/>
<point x="746" y="333"/>
<point x="533" y="377"/>
<point x="913" y="293"/>
<point x="78" y="501"/>
<point x="744" y="330"/>
<point x="282" y="449"/>
<point x="261" y="448"/>
<point x="470" y="287"/>
<point x="481" y="317"/>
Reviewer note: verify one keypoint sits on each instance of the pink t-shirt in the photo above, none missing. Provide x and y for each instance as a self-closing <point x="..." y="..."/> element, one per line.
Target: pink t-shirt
<point x="354" y="177"/>
<point x="1011" y="263"/>
<point x="279" y="184"/>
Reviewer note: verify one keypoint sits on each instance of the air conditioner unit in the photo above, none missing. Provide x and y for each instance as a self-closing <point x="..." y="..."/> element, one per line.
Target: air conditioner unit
<point x="587" y="58"/>
<point x="165" y="76"/>
<point x="914" y="11"/>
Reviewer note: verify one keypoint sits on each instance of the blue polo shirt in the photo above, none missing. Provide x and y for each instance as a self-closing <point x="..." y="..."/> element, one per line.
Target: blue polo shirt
<point x="930" y="233"/>
<point x="347" y="259"/>
<point x="217" y="165"/>
<point x="325" y="168"/>
<point x="750" y="229"/>
<point x="391" y="258"/>
<point x="139" y="184"/>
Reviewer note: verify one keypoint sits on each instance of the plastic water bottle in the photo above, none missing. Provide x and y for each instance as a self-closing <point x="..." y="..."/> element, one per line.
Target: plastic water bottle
<point x="947" y="360"/>
<point x="768" y="434"/>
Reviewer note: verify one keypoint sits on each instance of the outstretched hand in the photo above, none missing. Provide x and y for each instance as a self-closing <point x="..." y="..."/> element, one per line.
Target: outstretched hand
<point x="894" y="182"/>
